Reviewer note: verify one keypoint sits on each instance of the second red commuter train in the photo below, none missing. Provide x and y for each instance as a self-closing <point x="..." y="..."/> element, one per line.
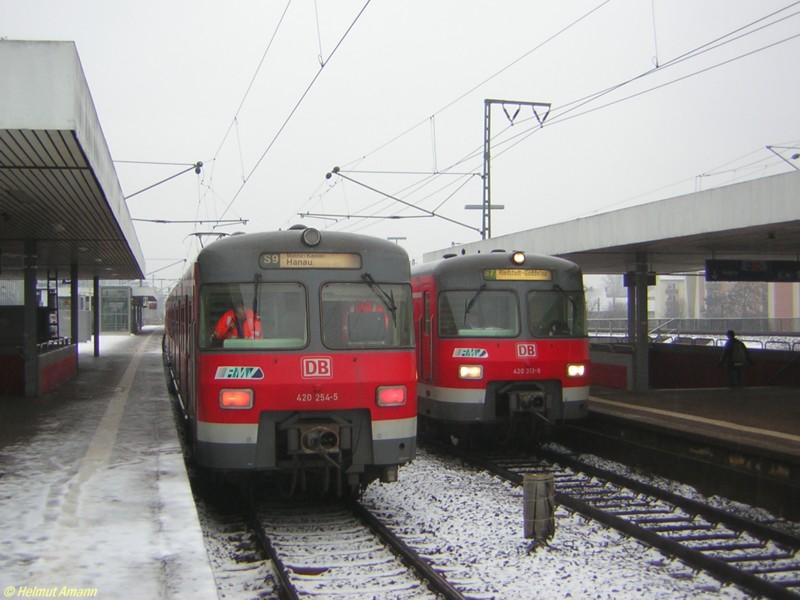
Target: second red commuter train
<point x="501" y="341"/>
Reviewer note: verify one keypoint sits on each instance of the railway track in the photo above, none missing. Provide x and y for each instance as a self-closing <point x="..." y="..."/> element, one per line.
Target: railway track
<point x="342" y="551"/>
<point x="755" y="557"/>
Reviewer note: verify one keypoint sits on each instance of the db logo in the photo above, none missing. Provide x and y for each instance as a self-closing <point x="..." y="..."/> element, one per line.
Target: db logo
<point x="317" y="366"/>
<point x="526" y="350"/>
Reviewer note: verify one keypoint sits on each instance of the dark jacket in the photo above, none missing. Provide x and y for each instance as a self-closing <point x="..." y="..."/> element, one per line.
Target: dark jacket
<point x="735" y="354"/>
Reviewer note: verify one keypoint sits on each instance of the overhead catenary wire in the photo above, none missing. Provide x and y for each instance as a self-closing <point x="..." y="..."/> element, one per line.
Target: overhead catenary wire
<point x="234" y="120"/>
<point x="319" y="34"/>
<point x="198" y="221"/>
<point x="294" y="108"/>
<point x="655" y="32"/>
<point x="562" y="119"/>
<point x="253" y="78"/>
<point x="559" y="116"/>
<point x="566" y="108"/>
<point x="483" y="82"/>
<point x="693" y="53"/>
<point x="177" y="262"/>
<point x="459" y="185"/>
<point x="429" y="212"/>
<point x="562" y="112"/>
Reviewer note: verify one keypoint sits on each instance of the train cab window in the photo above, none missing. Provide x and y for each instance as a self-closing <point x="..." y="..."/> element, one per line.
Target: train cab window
<point x="253" y="316"/>
<point x="478" y="313"/>
<point x="556" y="313"/>
<point x="362" y="315"/>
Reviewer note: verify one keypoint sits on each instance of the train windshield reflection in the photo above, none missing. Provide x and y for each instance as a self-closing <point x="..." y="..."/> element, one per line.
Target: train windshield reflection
<point x="478" y="313"/>
<point x="556" y="313"/>
<point x="253" y="315"/>
<point x="355" y="316"/>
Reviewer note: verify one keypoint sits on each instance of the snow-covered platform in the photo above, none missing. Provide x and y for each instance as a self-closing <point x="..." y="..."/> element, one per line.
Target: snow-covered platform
<point x="764" y="419"/>
<point x="94" y="496"/>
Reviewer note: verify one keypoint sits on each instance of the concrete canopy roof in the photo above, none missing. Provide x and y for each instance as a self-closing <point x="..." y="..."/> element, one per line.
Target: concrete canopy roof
<point x="754" y="220"/>
<point x="58" y="186"/>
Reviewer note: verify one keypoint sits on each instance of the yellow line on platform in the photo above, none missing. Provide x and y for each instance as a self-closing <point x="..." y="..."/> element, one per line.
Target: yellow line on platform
<point x="696" y="419"/>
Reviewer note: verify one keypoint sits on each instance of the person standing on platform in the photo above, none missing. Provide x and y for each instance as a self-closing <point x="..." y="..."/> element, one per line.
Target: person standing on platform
<point x="735" y="358"/>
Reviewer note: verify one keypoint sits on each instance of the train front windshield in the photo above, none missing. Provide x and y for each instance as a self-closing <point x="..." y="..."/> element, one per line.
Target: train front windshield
<point x="556" y="313"/>
<point x="494" y="313"/>
<point x="253" y="315"/>
<point x="366" y="315"/>
<point x="478" y="313"/>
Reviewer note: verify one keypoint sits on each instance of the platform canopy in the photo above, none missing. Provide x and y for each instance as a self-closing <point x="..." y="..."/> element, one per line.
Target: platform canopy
<point x="753" y="220"/>
<point x="59" y="192"/>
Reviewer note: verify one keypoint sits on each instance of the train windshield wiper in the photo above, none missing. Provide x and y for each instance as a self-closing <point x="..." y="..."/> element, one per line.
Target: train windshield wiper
<point x="566" y="295"/>
<point x="387" y="299"/>
<point x="472" y="300"/>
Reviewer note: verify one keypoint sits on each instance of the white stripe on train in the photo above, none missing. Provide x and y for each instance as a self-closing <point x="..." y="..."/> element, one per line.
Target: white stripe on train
<point x="247" y="433"/>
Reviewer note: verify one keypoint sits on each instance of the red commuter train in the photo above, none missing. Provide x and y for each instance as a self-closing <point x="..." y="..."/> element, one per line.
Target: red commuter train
<point x="502" y="342"/>
<point x="314" y="374"/>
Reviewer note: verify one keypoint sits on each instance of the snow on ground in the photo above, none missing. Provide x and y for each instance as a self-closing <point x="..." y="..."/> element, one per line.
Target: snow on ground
<point x="476" y="519"/>
<point x="239" y="572"/>
<point x="93" y="494"/>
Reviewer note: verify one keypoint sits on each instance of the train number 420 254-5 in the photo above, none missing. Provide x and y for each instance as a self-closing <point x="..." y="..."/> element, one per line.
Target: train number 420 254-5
<point x="317" y="397"/>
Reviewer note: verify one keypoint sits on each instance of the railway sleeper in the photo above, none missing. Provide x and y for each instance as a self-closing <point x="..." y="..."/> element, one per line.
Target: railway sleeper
<point x="758" y="558"/>
<point x="349" y="577"/>
<point x="705" y="537"/>
<point x="651" y="520"/>
<point x="787" y="583"/>
<point x="771" y="569"/>
<point x="622" y="507"/>
<point x="727" y="547"/>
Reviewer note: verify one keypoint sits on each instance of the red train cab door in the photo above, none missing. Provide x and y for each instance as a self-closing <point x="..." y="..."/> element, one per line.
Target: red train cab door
<point x="426" y="340"/>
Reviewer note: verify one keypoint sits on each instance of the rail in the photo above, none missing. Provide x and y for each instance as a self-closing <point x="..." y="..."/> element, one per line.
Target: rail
<point x="361" y="556"/>
<point x="753" y="556"/>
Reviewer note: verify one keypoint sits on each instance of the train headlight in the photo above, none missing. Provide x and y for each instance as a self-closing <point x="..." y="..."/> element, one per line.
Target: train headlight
<point x="518" y="258"/>
<point x="391" y="395"/>
<point x="470" y="371"/>
<point x="238" y="399"/>
<point x="311" y="237"/>
<point x="576" y="370"/>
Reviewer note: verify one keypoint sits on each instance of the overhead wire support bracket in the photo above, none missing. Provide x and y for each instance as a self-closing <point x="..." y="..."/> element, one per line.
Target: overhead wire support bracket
<point x="794" y="156"/>
<point x="197" y="221"/>
<point x="337" y="171"/>
<point x="345" y="216"/>
<point x="486" y="217"/>
<point x="196" y="167"/>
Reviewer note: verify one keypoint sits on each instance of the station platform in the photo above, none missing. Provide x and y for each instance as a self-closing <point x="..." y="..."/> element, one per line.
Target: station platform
<point x="94" y="496"/>
<point x="762" y="419"/>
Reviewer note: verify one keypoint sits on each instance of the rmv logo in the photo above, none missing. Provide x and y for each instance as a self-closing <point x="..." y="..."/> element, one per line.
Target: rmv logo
<point x="317" y="366"/>
<point x="526" y="350"/>
<point x="239" y="373"/>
